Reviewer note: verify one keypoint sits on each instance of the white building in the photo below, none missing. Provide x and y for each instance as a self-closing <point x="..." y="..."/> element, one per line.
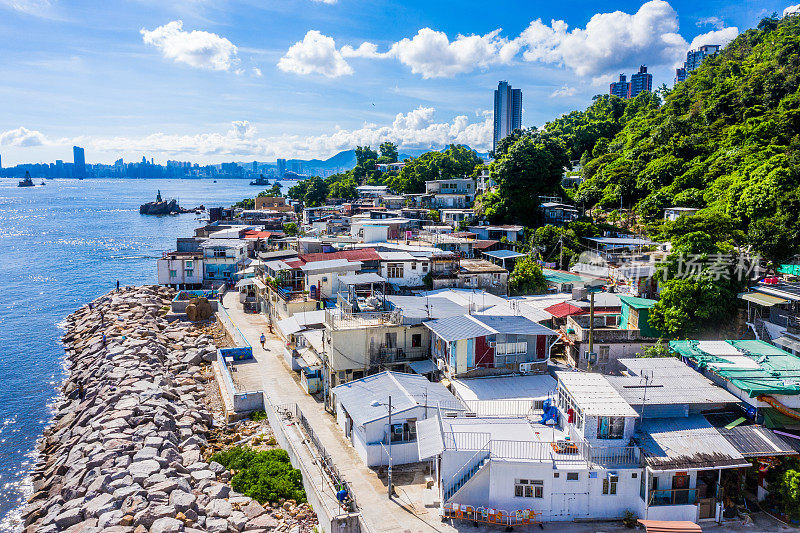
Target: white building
<point x="362" y="411"/>
<point x="404" y="269"/>
<point x="672" y="213"/>
<point x="181" y="270"/>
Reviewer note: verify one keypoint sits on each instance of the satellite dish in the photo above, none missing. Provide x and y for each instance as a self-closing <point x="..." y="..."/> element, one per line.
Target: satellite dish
<point x="375" y="403"/>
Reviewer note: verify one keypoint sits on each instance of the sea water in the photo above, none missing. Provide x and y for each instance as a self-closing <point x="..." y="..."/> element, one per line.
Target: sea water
<point x="61" y="245"/>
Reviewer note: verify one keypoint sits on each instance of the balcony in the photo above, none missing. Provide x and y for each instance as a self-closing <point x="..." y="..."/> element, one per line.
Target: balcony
<point x="673" y="497"/>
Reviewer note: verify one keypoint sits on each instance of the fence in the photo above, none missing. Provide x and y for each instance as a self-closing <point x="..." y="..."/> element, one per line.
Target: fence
<point x="235" y="333"/>
<point x="324" y="460"/>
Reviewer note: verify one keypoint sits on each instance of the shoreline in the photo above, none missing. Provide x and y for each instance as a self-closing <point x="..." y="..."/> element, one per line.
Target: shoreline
<point x="124" y="448"/>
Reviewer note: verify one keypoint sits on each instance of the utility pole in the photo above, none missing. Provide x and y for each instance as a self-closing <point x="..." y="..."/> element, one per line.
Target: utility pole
<point x="591" y="327"/>
<point x="389" y="475"/>
<point x="561" y="253"/>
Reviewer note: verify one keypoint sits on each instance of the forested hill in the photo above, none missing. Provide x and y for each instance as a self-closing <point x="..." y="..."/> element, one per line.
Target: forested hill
<point x="725" y="140"/>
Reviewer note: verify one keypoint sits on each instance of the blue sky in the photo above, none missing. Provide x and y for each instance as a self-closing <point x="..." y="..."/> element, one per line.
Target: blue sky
<point x="258" y="79"/>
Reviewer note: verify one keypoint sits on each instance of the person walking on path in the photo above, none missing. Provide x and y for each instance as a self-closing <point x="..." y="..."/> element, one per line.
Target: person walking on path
<point x="263" y="340"/>
<point x="117" y="285"/>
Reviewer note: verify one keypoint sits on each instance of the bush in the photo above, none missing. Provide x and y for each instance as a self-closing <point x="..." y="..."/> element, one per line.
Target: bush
<point x="258" y="416"/>
<point x="265" y="476"/>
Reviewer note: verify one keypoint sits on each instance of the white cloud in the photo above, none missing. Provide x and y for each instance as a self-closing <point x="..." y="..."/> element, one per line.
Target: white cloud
<point x="257" y="72"/>
<point x="610" y="42"/>
<point x="199" y="49"/>
<point x="716" y="22"/>
<point x="365" y="50"/>
<point x="720" y="37"/>
<point x="315" y="54"/>
<point x="792" y="10"/>
<point x="415" y="129"/>
<point x="30" y="7"/>
<point x="563" y="92"/>
<point x="433" y="55"/>
<point x="22" y="137"/>
<point x="329" y="2"/>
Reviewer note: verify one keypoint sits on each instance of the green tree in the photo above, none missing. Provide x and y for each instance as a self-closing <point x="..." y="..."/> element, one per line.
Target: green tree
<point x="291" y="229"/>
<point x="389" y="151"/>
<point x="527" y="278"/>
<point x="529" y="168"/>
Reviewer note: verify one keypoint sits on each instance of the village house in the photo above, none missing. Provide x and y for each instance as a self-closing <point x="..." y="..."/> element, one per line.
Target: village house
<point x="511" y="233"/>
<point x="451" y="193"/>
<point x="483" y="275"/>
<point x="181" y="270"/>
<point x="475" y="345"/>
<point x="272" y="203"/>
<point x="362" y="412"/>
<point x="222" y="258"/>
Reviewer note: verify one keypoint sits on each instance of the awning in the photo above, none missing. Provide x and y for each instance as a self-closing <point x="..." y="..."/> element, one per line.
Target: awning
<point x="670" y="526"/>
<point x="425" y="366"/>
<point x="244" y="282"/>
<point x="429" y="438"/>
<point x="759" y="298"/>
<point x="258" y="283"/>
<point x="788" y="342"/>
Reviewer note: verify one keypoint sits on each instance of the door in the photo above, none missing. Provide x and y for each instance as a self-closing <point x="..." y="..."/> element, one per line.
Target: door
<point x="569" y="504"/>
<point x="680" y="489"/>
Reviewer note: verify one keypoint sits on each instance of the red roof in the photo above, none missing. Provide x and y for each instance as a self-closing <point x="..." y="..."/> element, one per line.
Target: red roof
<point x="563" y="309"/>
<point x="481" y="244"/>
<point x="253" y="234"/>
<point x="358" y="254"/>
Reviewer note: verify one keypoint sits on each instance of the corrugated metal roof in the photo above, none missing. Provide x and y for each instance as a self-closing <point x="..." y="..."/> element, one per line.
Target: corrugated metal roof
<point x="333" y="264"/>
<point x="683" y="443"/>
<point x="683" y="387"/>
<point x="455" y="328"/>
<point x="760" y="298"/>
<point x="535" y="386"/>
<point x="594" y="394"/>
<point x="418" y="308"/>
<point x="504" y="254"/>
<point x="407" y="391"/>
<point x="751" y="440"/>
<point x="637" y="303"/>
<point x="356" y="279"/>
<point x="513" y="325"/>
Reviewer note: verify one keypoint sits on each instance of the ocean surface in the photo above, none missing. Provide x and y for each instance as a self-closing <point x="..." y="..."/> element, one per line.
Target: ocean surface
<point x="61" y="245"/>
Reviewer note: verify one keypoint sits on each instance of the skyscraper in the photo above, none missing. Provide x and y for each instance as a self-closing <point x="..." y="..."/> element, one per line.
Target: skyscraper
<point x="620" y="88"/>
<point x="695" y="58"/>
<point x="640" y="82"/>
<point x="507" y="111"/>
<point x="79" y="162"/>
<point x="281" y="167"/>
<point x="680" y="74"/>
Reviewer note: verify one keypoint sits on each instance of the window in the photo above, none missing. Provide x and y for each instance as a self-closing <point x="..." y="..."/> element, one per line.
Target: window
<point x="416" y="340"/>
<point x="189" y="264"/>
<point x="424" y="267"/>
<point x="529" y="488"/>
<point x="190" y="273"/>
<point x="219" y="253"/>
<point x="602" y="353"/>
<point x="573" y="476"/>
<point x="173" y="273"/>
<point x="611" y="427"/>
<point x="414" y="266"/>
<point x="405" y="431"/>
<point x="610" y="484"/>
<point x="394" y="270"/>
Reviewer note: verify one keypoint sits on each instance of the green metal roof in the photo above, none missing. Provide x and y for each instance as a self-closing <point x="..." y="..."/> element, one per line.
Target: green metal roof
<point x="556" y="276"/>
<point x="637" y="303"/>
<point x="759" y="367"/>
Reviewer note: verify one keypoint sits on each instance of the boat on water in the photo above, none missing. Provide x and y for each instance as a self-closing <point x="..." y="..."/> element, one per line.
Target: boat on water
<point x="43" y="183"/>
<point x="27" y="182"/>
<point x="261" y="180"/>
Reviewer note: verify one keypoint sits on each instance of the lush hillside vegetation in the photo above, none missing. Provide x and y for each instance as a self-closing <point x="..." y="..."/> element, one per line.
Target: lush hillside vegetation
<point x="725" y="140"/>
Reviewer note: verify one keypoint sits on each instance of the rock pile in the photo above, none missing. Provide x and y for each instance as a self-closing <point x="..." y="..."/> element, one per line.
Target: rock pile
<point x="125" y="449"/>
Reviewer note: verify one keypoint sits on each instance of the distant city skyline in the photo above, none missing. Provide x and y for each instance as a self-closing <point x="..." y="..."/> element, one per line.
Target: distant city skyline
<point x="241" y="80"/>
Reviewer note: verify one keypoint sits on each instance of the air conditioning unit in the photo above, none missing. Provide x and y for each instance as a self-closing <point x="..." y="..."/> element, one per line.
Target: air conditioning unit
<point x="440" y="364"/>
<point x="526" y="367"/>
<point x="491" y="344"/>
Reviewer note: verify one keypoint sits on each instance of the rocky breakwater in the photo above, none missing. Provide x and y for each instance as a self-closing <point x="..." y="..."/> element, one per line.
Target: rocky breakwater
<point x="124" y="451"/>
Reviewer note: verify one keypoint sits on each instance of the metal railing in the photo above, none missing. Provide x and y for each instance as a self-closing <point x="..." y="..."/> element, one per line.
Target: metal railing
<point x="465" y="473"/>
<point x="339" y="320"/>
<point x="324" y="460"/>
<point x="672" y="497"/>
<point x="238" y="337"/>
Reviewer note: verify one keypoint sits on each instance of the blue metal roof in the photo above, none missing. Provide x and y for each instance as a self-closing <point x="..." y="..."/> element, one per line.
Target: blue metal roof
<point x="504" y="254"/>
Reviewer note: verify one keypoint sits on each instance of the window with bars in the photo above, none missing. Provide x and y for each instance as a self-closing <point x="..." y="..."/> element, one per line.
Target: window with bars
<point x="394" y="270"/>
<point x="611" y="427"/>
<point x="528" y="488"/>
<point x="610" y="484"/>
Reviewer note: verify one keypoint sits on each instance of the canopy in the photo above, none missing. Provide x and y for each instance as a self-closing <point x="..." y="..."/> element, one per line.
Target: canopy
<point x="670" y="526"/>
<point x="760" y="298"/>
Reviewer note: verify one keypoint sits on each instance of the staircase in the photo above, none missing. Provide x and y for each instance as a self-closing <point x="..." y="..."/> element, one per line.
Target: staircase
<point x="466" y="472"/>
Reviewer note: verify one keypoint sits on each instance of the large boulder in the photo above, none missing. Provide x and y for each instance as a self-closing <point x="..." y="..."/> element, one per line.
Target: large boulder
<point x="199" y="309"/>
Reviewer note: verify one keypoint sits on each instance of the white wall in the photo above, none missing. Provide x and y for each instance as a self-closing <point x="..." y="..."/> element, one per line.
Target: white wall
<point x="412" y="277"/>
<point x="562" y="500"/>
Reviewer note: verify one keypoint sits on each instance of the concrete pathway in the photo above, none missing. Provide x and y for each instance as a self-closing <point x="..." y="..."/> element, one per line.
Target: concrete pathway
<point x="282" y="386"/>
